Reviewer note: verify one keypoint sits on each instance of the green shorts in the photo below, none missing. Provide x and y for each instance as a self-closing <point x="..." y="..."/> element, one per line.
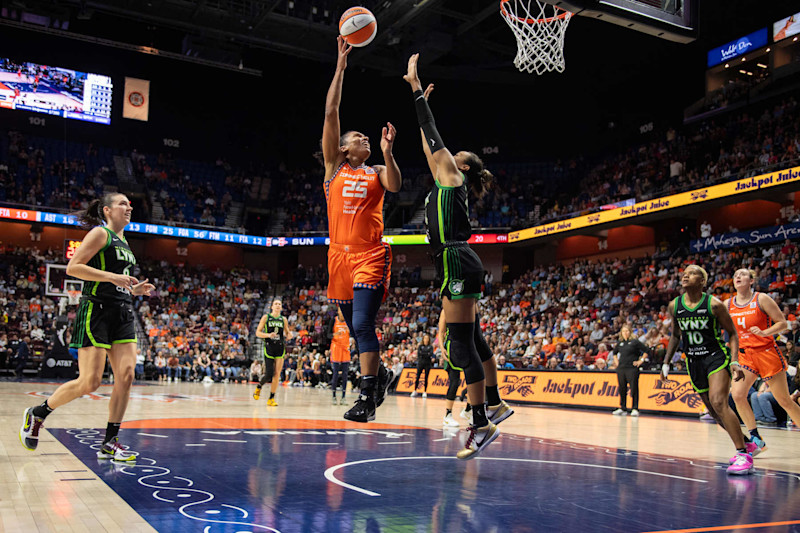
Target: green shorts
<point x="101" y="324"/>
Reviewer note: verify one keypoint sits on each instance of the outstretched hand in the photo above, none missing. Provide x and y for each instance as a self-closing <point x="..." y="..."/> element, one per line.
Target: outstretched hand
<point x="428" y="91"/>
<point x="411" y="76"/>
<point x="344" y="51"/>
<point x="387" y="137"/>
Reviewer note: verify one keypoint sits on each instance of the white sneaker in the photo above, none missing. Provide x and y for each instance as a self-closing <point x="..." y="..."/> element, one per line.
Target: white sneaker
<point x="477" y="440"/>
<point x="498" y="413"/>
<point x="414" y="394"/>
<point x="449" y="421"/>
<point x="619" y="412"/>
<point x="466" y="415"/>
<point x="116" y="452"/>
<point x="424" y="394"/>
<point x="635" y="412"/>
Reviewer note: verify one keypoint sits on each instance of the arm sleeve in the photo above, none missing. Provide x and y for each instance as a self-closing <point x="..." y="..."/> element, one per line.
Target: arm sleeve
<point x="426" y="122"/>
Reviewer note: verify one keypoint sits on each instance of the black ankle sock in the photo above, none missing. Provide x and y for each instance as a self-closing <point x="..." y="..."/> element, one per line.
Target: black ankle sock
<point x="492" y="395"/>
<point x="41" y="411"/>
<point x="747" y="438"/>
<point x="112" y="430"/>
<point x="479" y="415"/>
<point x="368" y="385"/>
<point x="754" y="433"/>
<point x="468" y="408"/>
<point x="741" y="450"/>
<point x="449" y="412"/>
<point x="271" y="395"/>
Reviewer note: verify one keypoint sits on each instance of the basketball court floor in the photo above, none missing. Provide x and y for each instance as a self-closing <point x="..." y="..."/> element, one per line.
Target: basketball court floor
<point x="214" y="460"/>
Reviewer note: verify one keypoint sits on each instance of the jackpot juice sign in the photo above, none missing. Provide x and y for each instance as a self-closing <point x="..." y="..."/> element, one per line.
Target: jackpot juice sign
<point x="581" y="389"/>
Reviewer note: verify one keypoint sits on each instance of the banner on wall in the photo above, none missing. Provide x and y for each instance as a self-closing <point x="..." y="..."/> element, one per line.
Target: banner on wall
<point x="745" y="238"/>
<point x="136" y="105"/>
<point x="697" y="196"/>
<point x="581" y="389"/>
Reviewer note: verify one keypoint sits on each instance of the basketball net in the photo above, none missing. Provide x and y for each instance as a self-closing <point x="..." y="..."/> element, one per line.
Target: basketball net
<point x="73" y="297"/>
<point x="539" y="28"/>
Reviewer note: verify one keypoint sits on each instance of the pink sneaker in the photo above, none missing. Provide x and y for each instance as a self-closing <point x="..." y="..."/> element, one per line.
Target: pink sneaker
<point x="742" y="465"/>
<point x="752" y="450"/>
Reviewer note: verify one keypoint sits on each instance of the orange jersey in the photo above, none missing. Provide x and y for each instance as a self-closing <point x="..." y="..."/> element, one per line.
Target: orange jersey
<point x="355" y="205"/>
<point x="340" y="345"/>
<point x="745" y="317"/>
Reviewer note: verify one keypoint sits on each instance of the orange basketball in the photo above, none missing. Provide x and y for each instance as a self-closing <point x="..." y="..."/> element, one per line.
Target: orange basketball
<point x="358" y="26"/>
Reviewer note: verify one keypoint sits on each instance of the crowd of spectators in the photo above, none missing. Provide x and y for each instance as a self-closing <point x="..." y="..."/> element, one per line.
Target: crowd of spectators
<point x="198" y="323"/>
<point x="710" y="152"/>
<point x="717" y="149"/>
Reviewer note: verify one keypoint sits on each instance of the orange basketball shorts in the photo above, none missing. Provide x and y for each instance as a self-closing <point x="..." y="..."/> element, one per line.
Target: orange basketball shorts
<point x="357" y="266"/>
<point x="766" y="362"/>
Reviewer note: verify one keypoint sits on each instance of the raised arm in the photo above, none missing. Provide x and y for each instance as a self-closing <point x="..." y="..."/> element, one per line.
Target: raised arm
<point x="425" y="148"/>
<point x="331" y="130"/>
<point x="390" y="176"/>
<point x="447" y="172"/>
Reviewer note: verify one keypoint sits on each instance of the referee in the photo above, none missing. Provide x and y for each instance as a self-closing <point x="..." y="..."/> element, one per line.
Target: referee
<point x="629" y="354"/>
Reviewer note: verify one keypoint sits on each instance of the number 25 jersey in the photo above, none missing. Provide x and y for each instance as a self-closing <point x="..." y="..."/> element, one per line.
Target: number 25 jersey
<point x="355" y="205"/>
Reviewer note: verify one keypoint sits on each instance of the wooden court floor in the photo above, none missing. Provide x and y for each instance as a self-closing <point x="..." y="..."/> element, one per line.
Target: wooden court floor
<point x="243" y="466"/>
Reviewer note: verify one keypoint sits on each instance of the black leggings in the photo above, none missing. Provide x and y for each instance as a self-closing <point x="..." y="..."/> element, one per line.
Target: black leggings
<point x="340" y="370"/>
<point x="628" y="376"/>
<point x="427" y="370"/>
<point x="269" y="371"/>
<point x="454" y="377"/>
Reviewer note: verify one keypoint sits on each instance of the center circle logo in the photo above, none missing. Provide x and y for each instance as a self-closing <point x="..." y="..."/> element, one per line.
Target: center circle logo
<point x="51" y="362"/>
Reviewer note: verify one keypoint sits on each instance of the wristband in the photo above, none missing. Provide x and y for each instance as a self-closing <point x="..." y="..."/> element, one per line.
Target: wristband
<point x="665" y="369"/>
<point x="735" y="363"/>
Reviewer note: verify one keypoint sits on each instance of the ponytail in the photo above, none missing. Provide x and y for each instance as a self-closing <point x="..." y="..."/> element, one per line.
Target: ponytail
<point x="479" y="178"/>
<point x="94" y="216"/>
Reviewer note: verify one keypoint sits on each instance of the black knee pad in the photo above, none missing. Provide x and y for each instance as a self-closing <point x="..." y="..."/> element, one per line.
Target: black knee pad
<point x="455" y="381"/>
<point x="461" y="351"/>
<point x="484" y="352"/>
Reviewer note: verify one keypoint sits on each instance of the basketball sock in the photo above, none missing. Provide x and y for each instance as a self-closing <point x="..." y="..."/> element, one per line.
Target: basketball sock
<point x="112" y="430"/>
<point x="754" y="433"/>
<point x="492" y="395"/>
<point x="479" y="416"/>
<point x="468" y="408"/>
<point x="747" y="438"/>
<point x="741" y="450"/>
<point x="368" y="385"/>
<point x="271" y="395"/>
<point x="449" y="412"/>
<point x="41" y="411"/>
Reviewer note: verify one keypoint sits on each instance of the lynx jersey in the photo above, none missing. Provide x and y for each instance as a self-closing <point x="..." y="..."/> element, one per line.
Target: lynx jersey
<point x="274" y="324"/>
<point x="355" y="205"/>
<point x="745" y="317"/>
<point x="447" y="215"/>
<point x="700" y="329"/>
<point x="115" y="256"/>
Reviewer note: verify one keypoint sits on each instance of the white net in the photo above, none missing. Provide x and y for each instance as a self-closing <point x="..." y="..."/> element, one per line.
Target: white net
<point x="539" y="28"/>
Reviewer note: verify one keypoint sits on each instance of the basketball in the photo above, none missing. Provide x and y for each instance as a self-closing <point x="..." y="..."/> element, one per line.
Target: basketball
<point x="358" y="26"/>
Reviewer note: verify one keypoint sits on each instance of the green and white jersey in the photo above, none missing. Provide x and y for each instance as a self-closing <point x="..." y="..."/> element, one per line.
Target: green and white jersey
<point x="116" y="256"/>
<point x="447" y="215"/>
<point x="700" y="329"/>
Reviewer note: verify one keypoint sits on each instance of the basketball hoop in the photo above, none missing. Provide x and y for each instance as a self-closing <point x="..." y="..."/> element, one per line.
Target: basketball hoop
<point x="539" y="28"/>
<point x="73" y="297"/>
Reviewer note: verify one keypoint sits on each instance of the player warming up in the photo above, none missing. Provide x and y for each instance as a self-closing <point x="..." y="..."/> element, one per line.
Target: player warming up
<point x="757" y="318"/>
<point x="272" y="328"/>
<point x="698" y="321"/>
<point x="359" y="263"/>
<point x="457" y="265"/>
<point x="104" y="323"/>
